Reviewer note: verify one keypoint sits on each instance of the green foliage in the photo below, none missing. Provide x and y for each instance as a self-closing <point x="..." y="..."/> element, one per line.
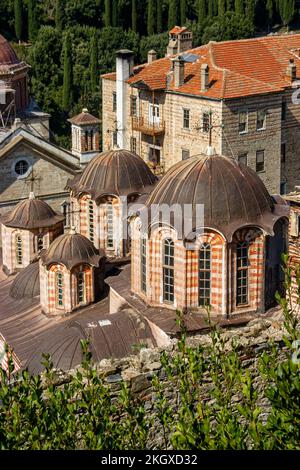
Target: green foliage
<point x="59" y="14"/>
<point x="18" y="18"/>
<point x="151" y="18"/>
<point x="173" y="13"/>
<point x="159" y="17"/>
<point x="108" y="14"/>
<point x="94" y="65"/>
<point x="68" y="74"/>
<point x="32" y="20"/>
<point x="133" y="15"/>
<point x="182" y="12"/>
<point x="286" y="10"/>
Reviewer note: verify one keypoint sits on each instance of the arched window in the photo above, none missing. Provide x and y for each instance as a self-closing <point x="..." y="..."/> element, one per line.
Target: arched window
<point x="19" y="250"/>
<point x="110" y="225"/>
<point x="143" y="264"/>
<point x="91" y="220"/>
<point x="40" y="242"/>
<point x="81" y="287"/>
<point x="168" y="270"/>
<point x="242" y="274"/>
<point x="59" y="289"/>
<point x="204" y="274"/>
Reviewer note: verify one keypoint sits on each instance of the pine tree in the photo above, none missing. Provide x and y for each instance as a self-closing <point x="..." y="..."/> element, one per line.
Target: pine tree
<point x="239" y="7"/>
<point x="286" y="11"/>
<point x="269" y="8"/>
<point x="59" y="14"/>
<point x="173" y="13"/>
<point x="250" y="11"/>
<point x="107" y="13"/>
<point x="32" y="20"/>
<point x="229" y="5"/>
<point x="115" y="18"/>
<point x="94" y="64"/>
<point x="182" y="12"/>
<point x="201" y="10"/>
<point x="159" y="25"/>
<point x="151" y="18"/>
<point x="210" y="8"/>
<point x="68" y="74"/>
<point x="18" y="19"/>
<point x="221" y="7"/>
<point x="133" y="15"/>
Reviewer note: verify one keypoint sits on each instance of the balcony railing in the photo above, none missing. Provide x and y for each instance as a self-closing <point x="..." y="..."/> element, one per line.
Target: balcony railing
<point x="148" y="127"/>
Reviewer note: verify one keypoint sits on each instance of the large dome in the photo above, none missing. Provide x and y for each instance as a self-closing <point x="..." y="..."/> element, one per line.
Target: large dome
<point x="31" y="214"/>
<point x="232" y="194"/>
<point x="27" y="283"/>
<point x="70" y="250"/>
<point x="7" y="54"/>
<point x="116" y="172"/>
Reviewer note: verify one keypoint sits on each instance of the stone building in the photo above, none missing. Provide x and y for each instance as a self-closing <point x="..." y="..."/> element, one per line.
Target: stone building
<point x="85" y="131"/>
<point x="238" y="96"/>
<point x="228" y="257"/>
<point x="71" y="275"/>
<point x="101" y="194"/>
<point x="28" y="229"/>
<point x="293" y="199"/>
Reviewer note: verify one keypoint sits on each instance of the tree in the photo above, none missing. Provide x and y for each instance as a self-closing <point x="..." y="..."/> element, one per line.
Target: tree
<point x="221" y="7"/>
<point x="32" y="20"/>
<point x="133" y="15"/>
<point x="286" y="11"/>
<point x="173" y="13"/>
<point x="159" y="23"/>
<point x="151" y="18"/>
<point x="59" y="14"/>
<point x="68" y="74"/>
<point x="269" y="8"/>
<point x="182" y="12"/>
<point x="107" y="13"/>
<point x="114" y="13"/>
<point x="94" y="64"/>
<point x="201" y="10"/>
<point x="239" y="7"/>
<point x="18" y="18"/>
<point x="210" y="8"/>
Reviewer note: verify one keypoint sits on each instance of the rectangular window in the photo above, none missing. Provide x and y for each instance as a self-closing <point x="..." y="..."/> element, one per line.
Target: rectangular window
<point x="19" y="250"/>
<point x="110" y="225"/>
<point x="40" y="243"/>
<point x="133" y="106"/>
<point x="260" y="161"/>
<point x="154" y="114"/>
<point x="186" y="118"/>
<point x="91" y="220"/>
<point x="59" y="290"/>
<point x="283" y="110"/>
<point x="81" y="287"/>
<point x="185" y="154"/>
<point x="283" y="150"/>
<point x="143" y="264"/>
<point x="114" y="101"/>
<point x="205" y="122"/>
<point x="242" y="274"/>
<point x="168" y="271"/>
<point x="261" y="119"/>
<point x="243" y="122"/>
<point x="115" y="139"/>
<point x="133" y="144"/>
<point x="154" y="155"/>
<point x="243" y="158"/>
<point x="204" y="274"/>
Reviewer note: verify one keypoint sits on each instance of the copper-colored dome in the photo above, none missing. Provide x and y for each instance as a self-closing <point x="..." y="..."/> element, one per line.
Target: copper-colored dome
<point x="70" y="250"/>
<point x="7" y="54"/>
<point x="116" y="172"/>
<point x="27" y="283"/>
<point x="31" y="214"/>
<point x="232" y="194"/>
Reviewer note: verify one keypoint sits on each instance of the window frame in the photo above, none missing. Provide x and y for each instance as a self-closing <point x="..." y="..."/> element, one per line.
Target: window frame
<point x="186" y="119"/>
<point x="59" y="290"/>
<point x="133" y="144"/>
<point x="168" y="271"/>
<point x="91" y="220"/>
<point x="260" y="169"/>
<point x="245" y="112"/>
<point x="264" y="125"/>
<point x="81" y="291"/>
<point x="242" y="273"/>
<point x="110" y="241"/>
<point x="243" y="155"/>
<point x="188" y="153"/>
<point x="204" y="274"/>
<point x="114" y="101"/>
<point x="205" y="122"/>
<point x="19" y="249"/>
<point x="133" y="106"/>
<point x="143" y="254"/>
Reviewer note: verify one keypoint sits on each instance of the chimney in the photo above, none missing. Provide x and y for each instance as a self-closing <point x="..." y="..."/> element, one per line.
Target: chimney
<point x="292" y="70"/>
<point x="204" y="77"/>
<point x="178" y="71"/>
<point x="152" y="56"/>
<point x="124" y="65"/>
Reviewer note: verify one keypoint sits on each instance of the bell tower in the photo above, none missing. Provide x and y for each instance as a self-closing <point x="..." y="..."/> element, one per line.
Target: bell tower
<point x="85" y="136"/>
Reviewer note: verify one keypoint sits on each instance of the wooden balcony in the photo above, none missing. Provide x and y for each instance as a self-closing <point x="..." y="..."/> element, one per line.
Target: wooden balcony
<point x="146" y="127"/>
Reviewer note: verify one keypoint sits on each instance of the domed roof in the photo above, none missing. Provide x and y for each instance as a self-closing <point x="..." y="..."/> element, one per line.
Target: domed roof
<point x="70" y="250"/>
<point x="116" y="172"/>
<point x="27" y="283"/>
<point x="30" y="214"/>
<point x="232" y="194"/>
<point x="7" y="54"/>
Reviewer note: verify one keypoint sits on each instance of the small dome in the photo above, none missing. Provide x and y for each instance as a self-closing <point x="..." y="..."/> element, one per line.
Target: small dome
<point x="116" y="172"/>
<point x="232" y="194"/>
<point x="7" y="54"/>
<point x="30" y="214"/>
<point x="27" y="283"/>
<point x="70" y="250"/>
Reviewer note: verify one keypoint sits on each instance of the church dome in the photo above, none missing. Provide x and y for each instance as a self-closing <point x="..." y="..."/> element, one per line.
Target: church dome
<point x="27" y="283"/>
<point x="116" y="172"/>
<point x="70" y="250"/>
<point x="7" y="54"/>
<point x="232" y="194"/>
<point x="31" y="214"/>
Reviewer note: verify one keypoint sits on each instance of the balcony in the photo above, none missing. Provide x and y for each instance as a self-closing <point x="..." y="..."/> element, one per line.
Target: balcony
<point x="155" y="127"/>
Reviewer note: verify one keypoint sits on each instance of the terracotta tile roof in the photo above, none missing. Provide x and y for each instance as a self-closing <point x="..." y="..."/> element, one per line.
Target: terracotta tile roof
<point x="84" y="118"/>
<point x="178" y="30"/>
<point x="236" y="68"/>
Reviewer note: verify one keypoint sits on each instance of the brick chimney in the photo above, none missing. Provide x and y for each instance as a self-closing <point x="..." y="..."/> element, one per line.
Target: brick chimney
<point x="204" y="77"/>
<point x="125" y="61"/>
<point x="292" y="70"/>
<point x="152" y="56"/>
<point x="178" y="71"/>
